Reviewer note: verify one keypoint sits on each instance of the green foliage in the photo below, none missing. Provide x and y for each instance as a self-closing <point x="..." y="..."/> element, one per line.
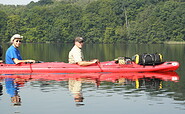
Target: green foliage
<point x="98" y="21"/>
<point x="3" y="20"/>
<point x="160" y="23"/>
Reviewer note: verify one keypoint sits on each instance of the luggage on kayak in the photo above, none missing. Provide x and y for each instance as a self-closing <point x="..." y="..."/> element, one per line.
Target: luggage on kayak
<point x="148" y="59"/>
<point x="123" y="60"/>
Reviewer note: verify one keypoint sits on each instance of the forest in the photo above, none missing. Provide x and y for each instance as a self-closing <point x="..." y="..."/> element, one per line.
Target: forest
<point x="98" y="21"/>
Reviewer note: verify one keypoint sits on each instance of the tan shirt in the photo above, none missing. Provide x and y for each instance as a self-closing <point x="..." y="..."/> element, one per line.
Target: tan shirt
<point x="75" y="55"/>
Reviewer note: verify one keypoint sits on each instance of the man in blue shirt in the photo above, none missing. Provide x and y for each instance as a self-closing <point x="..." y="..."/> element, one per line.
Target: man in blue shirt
<point x="13" y="55"/>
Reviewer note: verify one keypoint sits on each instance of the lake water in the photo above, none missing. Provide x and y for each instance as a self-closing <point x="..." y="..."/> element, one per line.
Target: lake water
<point x="95" y="92"/>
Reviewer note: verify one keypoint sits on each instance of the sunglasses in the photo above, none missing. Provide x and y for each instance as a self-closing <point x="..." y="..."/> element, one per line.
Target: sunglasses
<point x="81" y="42"/>
<point x="18" y="41"/>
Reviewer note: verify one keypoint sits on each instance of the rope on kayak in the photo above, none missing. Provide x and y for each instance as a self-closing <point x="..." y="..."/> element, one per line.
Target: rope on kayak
<point x="31" y="67"/>
<point x="99" y="66"/>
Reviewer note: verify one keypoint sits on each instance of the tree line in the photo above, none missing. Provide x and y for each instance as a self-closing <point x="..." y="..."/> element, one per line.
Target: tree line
<point x="98" y="21"/>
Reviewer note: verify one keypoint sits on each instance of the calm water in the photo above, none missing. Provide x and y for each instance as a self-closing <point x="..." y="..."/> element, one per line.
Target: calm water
<point x="102" y="92"/>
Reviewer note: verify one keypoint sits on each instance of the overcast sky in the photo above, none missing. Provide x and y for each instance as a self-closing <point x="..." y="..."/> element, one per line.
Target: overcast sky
<point x="16" y="2"/>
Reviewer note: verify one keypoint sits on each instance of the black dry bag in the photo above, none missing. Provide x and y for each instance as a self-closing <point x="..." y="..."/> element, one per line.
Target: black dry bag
<point x="148" y="59"/>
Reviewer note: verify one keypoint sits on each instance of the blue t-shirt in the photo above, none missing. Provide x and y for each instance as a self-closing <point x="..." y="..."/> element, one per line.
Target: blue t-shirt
<point x="11" y="54"/>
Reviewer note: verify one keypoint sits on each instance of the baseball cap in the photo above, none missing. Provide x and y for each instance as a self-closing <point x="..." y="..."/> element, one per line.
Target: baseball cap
<point x="79" y="39"/>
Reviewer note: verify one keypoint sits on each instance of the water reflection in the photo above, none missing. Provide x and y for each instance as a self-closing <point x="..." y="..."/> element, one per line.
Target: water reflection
<point x="75" y="87"/>
<point x="74" y="83"/>
<point x="1" y="89"/>
<point x="12" y="88"/>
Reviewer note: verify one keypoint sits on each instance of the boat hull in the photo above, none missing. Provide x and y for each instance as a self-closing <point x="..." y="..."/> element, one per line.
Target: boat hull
<point x="61" y="67"/>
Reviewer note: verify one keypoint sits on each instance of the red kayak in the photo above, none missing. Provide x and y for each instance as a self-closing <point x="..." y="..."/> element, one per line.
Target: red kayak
<point x="61" y="67"/>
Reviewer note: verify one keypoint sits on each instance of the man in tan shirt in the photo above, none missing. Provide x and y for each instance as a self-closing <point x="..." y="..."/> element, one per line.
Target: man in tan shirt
<point x="76" y="55"/>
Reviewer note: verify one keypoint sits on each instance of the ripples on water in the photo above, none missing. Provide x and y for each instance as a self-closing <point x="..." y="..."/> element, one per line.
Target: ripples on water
<point x="104" y="93"/>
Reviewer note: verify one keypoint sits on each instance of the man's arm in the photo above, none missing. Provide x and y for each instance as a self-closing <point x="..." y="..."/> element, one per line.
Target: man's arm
<point x="86" y="63"/>
<point x="16" y="61"/>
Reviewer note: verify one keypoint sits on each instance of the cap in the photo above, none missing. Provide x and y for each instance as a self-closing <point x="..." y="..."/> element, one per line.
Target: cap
<point x="79" y="39"/>
<point x="16" y="36"/>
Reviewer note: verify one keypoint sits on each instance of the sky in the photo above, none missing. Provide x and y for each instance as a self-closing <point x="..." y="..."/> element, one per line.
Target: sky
<point x="16" y="2"/>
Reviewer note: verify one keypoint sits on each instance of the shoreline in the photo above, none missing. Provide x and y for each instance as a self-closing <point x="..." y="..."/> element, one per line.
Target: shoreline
<point x="175" y="42"/>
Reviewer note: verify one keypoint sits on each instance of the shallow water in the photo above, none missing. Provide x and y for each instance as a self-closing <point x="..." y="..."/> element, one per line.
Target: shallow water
<point x="102" y="93"/>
